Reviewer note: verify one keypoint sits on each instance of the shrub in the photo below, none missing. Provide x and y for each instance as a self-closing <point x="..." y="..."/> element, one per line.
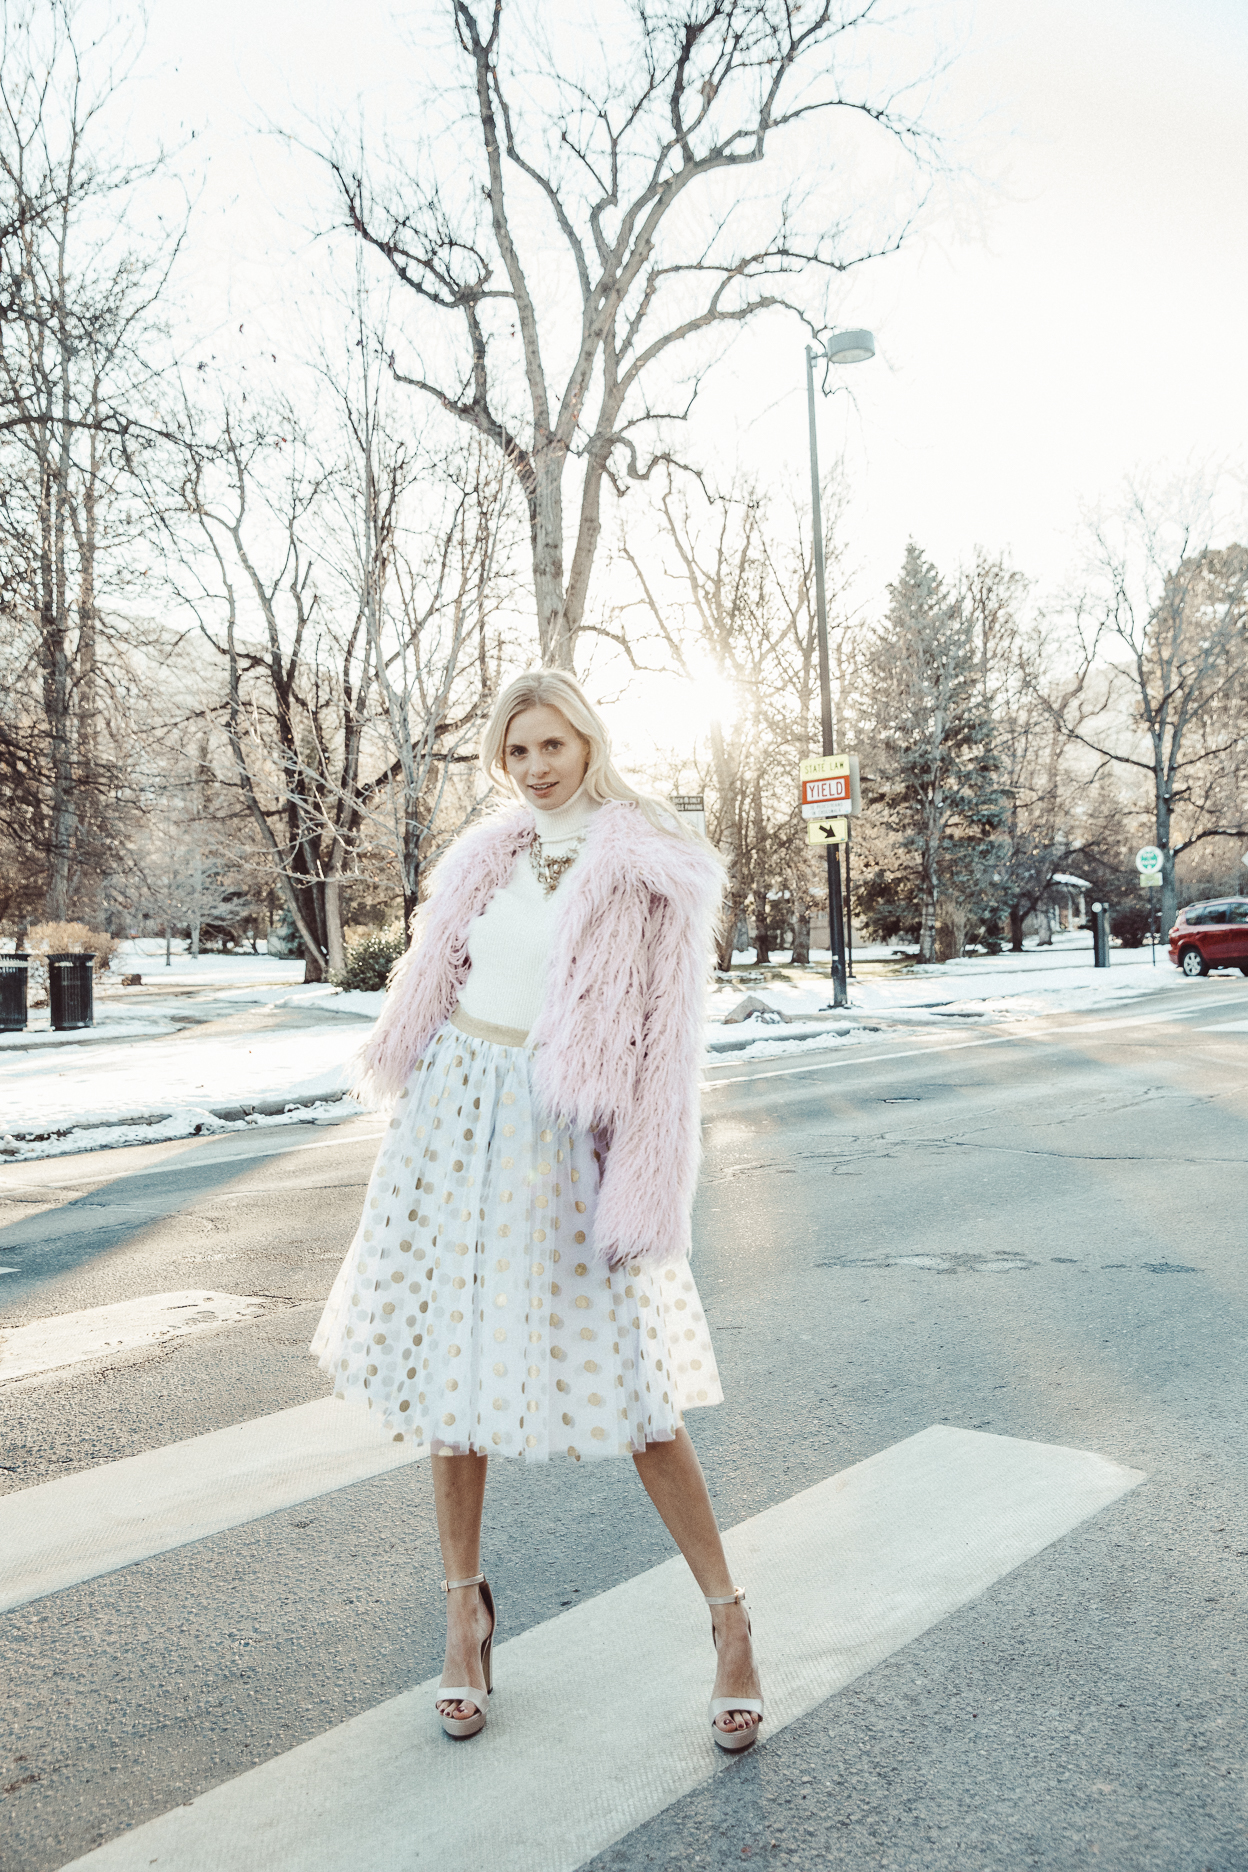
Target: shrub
<point x="72" y="939"/>
<point x="1132" y="924"/>
<point x="370" y="960"/>
<point x="45" y="939"/>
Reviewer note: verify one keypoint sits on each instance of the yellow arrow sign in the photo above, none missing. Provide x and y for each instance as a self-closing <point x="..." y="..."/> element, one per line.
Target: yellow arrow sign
<point x="827" y="831"/>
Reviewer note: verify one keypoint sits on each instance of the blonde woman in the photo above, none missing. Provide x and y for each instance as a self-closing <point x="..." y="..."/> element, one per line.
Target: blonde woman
<point x="519" y="1285"/>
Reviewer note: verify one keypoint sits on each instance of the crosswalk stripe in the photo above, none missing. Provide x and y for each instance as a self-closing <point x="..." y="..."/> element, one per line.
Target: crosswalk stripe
<point x="80" y="1526"/>
<point x="599" y="1719"/>
<point x="66" y="1339"/>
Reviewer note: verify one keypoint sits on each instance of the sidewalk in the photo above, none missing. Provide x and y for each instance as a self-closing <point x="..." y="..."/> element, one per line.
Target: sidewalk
<point x="1058" y="979"/>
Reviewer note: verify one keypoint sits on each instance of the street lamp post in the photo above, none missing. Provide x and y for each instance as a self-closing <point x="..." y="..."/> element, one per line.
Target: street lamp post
<point x="847" y="347"/>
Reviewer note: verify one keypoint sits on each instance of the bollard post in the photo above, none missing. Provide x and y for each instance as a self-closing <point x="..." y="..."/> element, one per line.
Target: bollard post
<point x="1100" y="935"/>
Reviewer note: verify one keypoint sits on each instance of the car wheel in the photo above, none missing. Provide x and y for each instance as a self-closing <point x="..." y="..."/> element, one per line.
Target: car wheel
<point x="1193" y="963"/>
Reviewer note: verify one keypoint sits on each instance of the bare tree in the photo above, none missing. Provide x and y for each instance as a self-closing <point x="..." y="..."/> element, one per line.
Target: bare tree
<point x="1159" y="676"/>
<point x="718" y="568"/>
<point x="423" y="564"/>
<point x="297" y="698"/>
<point x="734" y="614"/>
<point x="77" y="305"/>
<point x="645" y="170"/>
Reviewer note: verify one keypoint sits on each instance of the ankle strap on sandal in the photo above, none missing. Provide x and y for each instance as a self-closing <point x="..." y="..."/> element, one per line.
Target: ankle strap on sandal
<point x="736" y="1597"/>
<point x="450" y="1585"/>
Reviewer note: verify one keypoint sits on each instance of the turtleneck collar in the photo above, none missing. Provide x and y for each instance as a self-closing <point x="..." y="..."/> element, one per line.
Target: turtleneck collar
<point x="559" y="823"/>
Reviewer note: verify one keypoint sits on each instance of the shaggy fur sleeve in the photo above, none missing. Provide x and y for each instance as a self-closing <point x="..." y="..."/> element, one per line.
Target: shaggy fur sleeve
<point x="646" y="1197"/>
<point x="424" y="983"/>
<point x="421" y="992"/>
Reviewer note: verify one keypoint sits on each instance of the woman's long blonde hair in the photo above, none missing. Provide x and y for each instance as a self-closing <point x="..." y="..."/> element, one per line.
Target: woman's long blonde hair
<point x="557" y="689"/>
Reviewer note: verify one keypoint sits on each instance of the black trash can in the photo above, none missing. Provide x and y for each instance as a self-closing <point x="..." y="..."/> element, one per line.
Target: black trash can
<point x="71" y="990"/>
<point x="14" y="974"/>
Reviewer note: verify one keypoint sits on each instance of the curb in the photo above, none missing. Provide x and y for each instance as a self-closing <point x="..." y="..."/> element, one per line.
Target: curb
<point x="228" y="1114"/>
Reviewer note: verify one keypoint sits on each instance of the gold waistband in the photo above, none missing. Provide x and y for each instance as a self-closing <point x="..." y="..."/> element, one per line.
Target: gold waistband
<point x="486" y="1030"/>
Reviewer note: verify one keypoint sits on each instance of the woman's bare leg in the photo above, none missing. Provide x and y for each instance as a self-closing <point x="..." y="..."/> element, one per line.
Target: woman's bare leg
<point x="459" y="1495"/>
<point x="675" y="1484"/>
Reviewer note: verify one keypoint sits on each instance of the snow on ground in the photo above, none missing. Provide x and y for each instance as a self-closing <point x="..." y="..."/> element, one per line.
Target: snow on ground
<point x="188" y="1122"/>
<point x="118" y="1022"/>
<point x="180" y="1080"/>
<point x="147" y="958"/>
<point x="1058" y="979"/>
<point x="316" y="995"/>
<point x="139" y="1078"/>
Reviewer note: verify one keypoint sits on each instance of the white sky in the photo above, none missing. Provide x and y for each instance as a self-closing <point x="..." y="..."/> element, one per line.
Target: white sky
<point x="1081" y="319"/>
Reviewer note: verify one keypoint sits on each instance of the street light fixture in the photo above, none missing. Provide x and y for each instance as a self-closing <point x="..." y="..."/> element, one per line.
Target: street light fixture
<point x="850" y="347"/>
<point x="845" y="347"/>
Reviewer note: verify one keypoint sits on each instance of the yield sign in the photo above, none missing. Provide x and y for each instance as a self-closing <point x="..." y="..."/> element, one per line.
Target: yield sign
<point x="829" y="786"/>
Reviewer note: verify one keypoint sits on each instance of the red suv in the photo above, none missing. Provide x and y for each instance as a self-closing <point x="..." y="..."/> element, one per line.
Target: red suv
<point x="1211" y="935"/>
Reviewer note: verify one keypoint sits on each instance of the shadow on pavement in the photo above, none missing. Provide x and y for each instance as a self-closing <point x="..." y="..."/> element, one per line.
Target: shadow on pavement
<point x="66" y="1237"/>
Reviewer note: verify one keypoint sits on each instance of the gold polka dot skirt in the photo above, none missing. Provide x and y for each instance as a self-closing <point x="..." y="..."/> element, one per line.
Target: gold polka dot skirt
<point x="470" y="1313"/>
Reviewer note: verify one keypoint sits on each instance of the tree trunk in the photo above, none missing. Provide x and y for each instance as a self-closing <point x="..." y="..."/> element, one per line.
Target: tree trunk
<point x="552" y="622"/>
<point x="726" y="781"/>
<point x="335" y="947"/>
<point x="928" y="898"/>
<point x="54" y="650"/>
<point x="588" y="532"/>
<point x="312" y="903"/>
<point x="197" y="901"/>
<point x="801" y="932"/>
<point x="762" y="934"/>
<point x="1016" y="929"/>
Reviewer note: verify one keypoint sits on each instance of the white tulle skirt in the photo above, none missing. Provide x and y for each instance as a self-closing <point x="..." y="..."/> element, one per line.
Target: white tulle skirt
<point x="470" y="1314"/>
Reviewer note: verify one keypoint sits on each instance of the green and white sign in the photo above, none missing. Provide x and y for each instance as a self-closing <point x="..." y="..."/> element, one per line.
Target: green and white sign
<point x="1148" y="859"/>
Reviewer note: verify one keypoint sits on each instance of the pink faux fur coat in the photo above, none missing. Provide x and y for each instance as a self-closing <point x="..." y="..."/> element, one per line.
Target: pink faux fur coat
<point x="619" y="1035"/>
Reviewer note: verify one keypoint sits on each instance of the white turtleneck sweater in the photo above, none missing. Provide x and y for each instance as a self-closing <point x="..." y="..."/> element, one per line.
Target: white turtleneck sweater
<point x="509" y="942"/>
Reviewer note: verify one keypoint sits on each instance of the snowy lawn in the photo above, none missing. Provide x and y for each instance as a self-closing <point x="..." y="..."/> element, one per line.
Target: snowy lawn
<point x="88" y="1094"/>
<point x="179" y="1080"/>
<point x="147" y="958"/>
<point x="1058" y="979"/>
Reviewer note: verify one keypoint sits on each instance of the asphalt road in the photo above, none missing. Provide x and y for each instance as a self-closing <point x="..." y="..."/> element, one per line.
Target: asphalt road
<point x="1033" y="1231"/>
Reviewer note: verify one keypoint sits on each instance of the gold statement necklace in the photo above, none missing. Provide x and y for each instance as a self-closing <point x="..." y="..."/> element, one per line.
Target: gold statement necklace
<point x="550" y="871"/>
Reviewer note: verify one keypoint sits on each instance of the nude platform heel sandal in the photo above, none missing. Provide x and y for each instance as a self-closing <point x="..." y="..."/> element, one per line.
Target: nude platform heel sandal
<point x="739" y="1739"/>
<point x="461" y="1726"/>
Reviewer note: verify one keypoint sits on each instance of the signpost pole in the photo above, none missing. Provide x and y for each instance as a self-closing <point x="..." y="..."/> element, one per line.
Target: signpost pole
<point x="836" y="917"/>
<point x="849" y="904"/>
<point x="1149" y="862"/>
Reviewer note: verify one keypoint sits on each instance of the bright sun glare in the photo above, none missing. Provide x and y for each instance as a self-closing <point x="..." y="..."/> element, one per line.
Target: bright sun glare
<point x="673" y="713"/>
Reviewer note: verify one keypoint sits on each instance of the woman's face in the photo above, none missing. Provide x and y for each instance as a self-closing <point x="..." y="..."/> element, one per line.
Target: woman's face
<point x="545" y="756"/>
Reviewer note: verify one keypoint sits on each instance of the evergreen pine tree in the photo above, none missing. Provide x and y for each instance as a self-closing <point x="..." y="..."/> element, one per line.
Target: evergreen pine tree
<point x="937" y="775"/>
